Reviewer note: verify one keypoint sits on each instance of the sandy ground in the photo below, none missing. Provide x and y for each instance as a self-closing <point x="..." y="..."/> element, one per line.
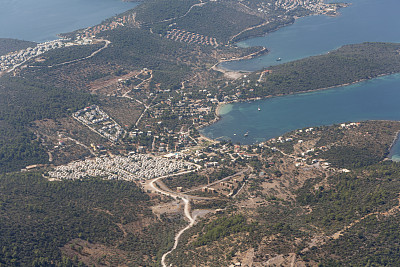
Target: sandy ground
<point x="230" y="74"/>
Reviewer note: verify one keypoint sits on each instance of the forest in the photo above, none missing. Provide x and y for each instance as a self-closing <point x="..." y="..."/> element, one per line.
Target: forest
<point x="348" y="64"/>
<point x="38" y="217"/>
<point x="217" y="20"/>
<point x="11" y="45"/>
<point x="22" y="102"/>
<point x="154" y="11"/>
<point x="366" y="199"/>
<point x="131" y="49"/>
<point x="44" y="223"/>
<point x="373" y="199"/>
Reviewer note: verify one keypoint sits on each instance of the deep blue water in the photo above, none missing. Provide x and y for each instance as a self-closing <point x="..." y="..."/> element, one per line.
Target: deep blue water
<point x="377" y="99"/>
<point x="41" y="20"/>
<point x="364" y="20"/>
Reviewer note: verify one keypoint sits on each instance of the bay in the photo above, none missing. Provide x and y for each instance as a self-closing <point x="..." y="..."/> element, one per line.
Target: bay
<point x="42" y="20"/>
<point x="362" y="21"/>
<point x="395" y="151"/>
<point x="375" y="99"/>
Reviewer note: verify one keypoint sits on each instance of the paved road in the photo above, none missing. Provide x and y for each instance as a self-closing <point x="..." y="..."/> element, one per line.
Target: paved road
<point x="91" y="55"/>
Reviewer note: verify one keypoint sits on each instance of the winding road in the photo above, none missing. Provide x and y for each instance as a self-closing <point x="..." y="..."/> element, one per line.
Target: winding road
<point x="178" y="235"/>
<point x="187" y="209"/>
<point x="151" y="185"/>
<point x="91" y="55"/>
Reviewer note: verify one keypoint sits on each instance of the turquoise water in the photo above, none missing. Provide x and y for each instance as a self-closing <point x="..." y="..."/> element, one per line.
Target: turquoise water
<point x="395" y="151"/>
<point x="41" y="20"/>
<point x="364" y="20"/>
<point x="376" y="99"/>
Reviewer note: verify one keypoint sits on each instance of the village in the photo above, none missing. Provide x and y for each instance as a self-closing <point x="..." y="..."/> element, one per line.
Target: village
<point x="99" y="122"/>
<point x="170" y="126"/>
<point x="12" y="60"/>
<point x="91" y="32"/>
<point x="315" y="6"/>
<point x="129" y="168"/>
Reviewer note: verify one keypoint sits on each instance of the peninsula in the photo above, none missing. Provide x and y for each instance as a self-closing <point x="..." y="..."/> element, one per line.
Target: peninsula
<point x="102" y="162"/>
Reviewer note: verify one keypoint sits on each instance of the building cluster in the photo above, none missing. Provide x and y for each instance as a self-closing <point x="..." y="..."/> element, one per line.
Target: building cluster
<point x="191" y="38"/>
<point x="130" y="168"/>
<point x="184" y="109"/>
<point x="139" y="81"/>
<point x="122" y="21"/>
<point x="98" y="121"/>
<point x="194" y="109"/>
<point x="12" y="59"/>
<point x="162" y="142"/>
<point x="305" y="152"/>
<point x="316" y="6"/>
<point x="349" y="125"/>
<point x="181" y="140"/>
<point x="137" y="132"/>
<point x="219" y="155"/>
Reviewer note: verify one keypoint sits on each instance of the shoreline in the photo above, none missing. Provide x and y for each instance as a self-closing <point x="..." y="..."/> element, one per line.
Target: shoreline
<point x="235" y="74"/>
<point x="390" y="154"/>
<point x="265" y="49"/>
<point x="218" y="108"/>
<point x="219" y="105"/>
<point x="335" y="14"/>
<point x="313" y="90"/>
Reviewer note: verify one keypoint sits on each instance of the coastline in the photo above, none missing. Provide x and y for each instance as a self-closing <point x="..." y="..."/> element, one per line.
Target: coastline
<point x="314" y="90"/>
<point x="337" y="86"/>
<point x="216" y="118"/>
<point x="218" y="108"/>
<point x="229" y="72"/>
<point x="390" y="152"/>
<point x="235" y="74"/>
<point x="335" y="14"/>
<point x="219" y="105"/>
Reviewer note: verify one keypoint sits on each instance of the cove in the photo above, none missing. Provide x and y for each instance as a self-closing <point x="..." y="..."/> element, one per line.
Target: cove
<point x="376" y="99"/>
<point x="395" y="151"/>
<point x="42" y="20"/>
<point x="362" y="21"/>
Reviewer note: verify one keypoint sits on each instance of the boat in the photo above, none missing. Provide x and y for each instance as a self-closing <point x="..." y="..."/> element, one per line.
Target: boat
<point x="278" y="59"/>
<point x="246" y="134"/>
<point x="259" y="109"/>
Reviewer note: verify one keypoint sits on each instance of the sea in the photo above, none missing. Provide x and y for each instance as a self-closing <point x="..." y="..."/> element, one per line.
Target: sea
<point x="363" y="20"/>
<point x="42" y="20"/>
<point x="376" y="99"/>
